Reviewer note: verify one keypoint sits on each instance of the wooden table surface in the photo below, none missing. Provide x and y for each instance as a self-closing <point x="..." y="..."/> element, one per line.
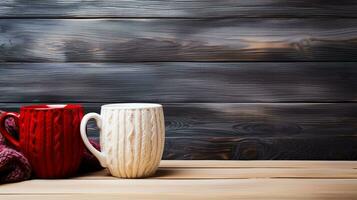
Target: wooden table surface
<point x="204" y="180"/>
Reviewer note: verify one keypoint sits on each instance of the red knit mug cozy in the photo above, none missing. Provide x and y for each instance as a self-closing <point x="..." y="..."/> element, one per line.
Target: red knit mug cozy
<point x="49" y="138"/>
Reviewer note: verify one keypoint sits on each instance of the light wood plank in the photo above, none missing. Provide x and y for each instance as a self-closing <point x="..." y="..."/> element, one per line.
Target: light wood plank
<point x="179" y="82"/>
<point x="179" y="189"/>
<point x="243" y="180"/>
<point x="213" y="169"/>
<point x="176" y="8"/>
<point x="133" y="40"/>
<point x="238" y="173"/>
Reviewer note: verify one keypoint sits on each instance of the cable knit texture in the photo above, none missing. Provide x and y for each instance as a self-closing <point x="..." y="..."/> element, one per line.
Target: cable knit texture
<point x="133" y="140"/>
<point x="14" y="167"/>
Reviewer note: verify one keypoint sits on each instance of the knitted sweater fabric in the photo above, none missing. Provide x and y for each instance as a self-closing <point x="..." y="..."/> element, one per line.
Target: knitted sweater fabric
<point x="14" y="166"/>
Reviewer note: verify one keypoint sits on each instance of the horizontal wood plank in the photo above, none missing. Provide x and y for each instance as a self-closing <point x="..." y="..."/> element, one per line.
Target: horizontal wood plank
<point x="262" y="148"/>
<point x="178" y="82"/>
<point x="177" y="8"/>
<point x="239" y="173"/>
<point x="229" y="169"/>
<point x="300" y="131"/>
<point x="184" y="189"/>
<point x="131" y="40"/>
<point x="203" y="180"/>
<point x="250" y="120"/>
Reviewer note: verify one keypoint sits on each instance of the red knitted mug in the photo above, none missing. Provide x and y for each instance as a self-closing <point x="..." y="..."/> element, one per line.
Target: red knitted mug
<point x="49" y="138"/>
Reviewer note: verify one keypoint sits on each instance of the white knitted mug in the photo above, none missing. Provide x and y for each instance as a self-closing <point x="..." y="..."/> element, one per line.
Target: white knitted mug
<point x="132" y="138"/>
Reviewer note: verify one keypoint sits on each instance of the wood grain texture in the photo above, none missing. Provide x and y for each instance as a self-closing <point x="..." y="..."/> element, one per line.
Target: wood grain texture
<point x="183" y="189"/>
<point x="178" y="82"/>
<point x="229" y="169"/>
<point x="177" y="8"/>
<point x="260" y="131"/>
<point x="177" y="173"/>
<point x="186" y="180"/>
<point x="262" y="148"/>
<point x="281" y="104"/>
<point x="282" y="172"/>
<point x="210" y="120"/>
<point x="130" y="40"/>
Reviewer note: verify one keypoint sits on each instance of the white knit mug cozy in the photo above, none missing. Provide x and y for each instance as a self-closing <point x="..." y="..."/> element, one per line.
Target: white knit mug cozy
<point x="132" y="137"/>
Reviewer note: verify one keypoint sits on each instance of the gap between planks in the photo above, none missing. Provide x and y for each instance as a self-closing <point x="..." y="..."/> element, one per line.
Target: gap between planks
<point x="257" y="164"/>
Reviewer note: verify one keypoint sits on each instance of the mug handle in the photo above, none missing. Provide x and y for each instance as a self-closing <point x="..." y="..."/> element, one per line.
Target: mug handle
<point x="100" y="156"/>
<point x="12" y="140"/>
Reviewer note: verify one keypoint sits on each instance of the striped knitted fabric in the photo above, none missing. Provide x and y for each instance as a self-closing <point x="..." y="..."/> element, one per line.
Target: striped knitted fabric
<point x="14" y="166"/>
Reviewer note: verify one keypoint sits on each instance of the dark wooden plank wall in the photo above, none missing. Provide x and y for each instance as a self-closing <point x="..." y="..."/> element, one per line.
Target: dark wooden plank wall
<point x="255" y="130"/>
<point x="133" y="40"/>
<point x="177" y="8"/>
<point x="238" y="79"/>
<point x="179" y="82"/>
